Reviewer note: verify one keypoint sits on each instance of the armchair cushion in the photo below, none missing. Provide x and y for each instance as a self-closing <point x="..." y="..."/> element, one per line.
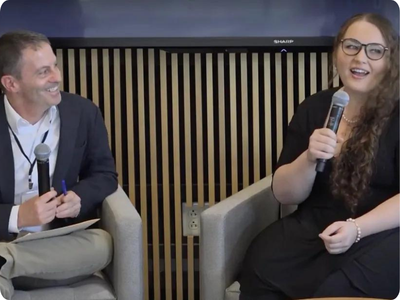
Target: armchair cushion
<point x="233" y="292"/>
<point x="92" y="288"/>
<point x="125" y="272"/>
<point x="227" y="229"/>
<point x="122" y="279"/>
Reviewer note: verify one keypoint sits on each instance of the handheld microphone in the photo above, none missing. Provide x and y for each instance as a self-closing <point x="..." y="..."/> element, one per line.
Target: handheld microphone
<point x="42" y="153"/>
<point x="339" y="101"/>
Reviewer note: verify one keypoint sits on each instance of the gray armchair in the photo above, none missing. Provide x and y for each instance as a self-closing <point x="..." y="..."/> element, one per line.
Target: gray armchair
<point x="122" y="279"/>
<point x="227" y="230"/>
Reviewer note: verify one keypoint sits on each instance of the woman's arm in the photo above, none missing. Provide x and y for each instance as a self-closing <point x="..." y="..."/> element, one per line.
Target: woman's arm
<point x="383" y="217"/>
<point x="293" y="182"/>
<point x="340" y="236"/>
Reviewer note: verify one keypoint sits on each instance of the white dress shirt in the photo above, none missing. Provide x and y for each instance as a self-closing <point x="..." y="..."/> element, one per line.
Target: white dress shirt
<point x="29" y="137"/>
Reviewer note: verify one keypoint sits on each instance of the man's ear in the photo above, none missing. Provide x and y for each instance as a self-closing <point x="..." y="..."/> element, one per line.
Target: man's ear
<point x="9" y="83"/>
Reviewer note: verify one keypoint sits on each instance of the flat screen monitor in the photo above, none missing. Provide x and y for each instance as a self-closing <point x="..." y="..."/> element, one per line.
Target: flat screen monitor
<point x="190" y="23"/>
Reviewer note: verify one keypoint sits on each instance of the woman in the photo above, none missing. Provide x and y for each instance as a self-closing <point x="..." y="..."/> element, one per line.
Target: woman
<point x="344" y="238"/>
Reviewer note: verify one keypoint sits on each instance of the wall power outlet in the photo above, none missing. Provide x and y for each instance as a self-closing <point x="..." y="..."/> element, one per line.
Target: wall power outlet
<point x="191" y="218"/>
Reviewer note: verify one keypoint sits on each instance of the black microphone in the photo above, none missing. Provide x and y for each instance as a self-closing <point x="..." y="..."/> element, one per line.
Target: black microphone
<point x="339" y="101"/>
<point x="42" y="153"/>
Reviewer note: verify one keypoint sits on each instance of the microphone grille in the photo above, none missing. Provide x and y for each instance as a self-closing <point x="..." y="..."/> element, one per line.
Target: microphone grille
<point x="340" y="98"/>
<point x="42" y="152"/>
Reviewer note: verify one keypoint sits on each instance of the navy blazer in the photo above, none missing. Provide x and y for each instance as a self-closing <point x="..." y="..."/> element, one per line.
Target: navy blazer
<point x="84" y="160"/>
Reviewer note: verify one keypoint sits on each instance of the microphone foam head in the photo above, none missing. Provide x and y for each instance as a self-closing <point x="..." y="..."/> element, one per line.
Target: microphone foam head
<point x="340" y="98"/>
<point x="42" y="152"/>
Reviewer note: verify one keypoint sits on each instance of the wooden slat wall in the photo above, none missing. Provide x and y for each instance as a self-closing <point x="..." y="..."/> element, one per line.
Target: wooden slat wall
<point x="142" y="164"/>
<point x="267" y="113"/>
<point x="190" y="127"/>
<point x="233" y="132"/>
<point x="177" y="175"/>
<point x="222" y="131"/>
<point x="188" y="170"/>
<point x="166" y="180"/>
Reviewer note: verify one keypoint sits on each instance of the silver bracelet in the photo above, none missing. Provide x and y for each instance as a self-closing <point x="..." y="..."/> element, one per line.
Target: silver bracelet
<point x="358" y="238"/>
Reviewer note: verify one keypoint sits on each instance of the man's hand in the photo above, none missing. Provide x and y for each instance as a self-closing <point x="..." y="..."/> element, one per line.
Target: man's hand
<point x="38" y="210"/>
<point x="70" y="205"/>
<point x="339" y="237"/>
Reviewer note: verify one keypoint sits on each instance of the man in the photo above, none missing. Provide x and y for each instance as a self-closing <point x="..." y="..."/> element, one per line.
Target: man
<point x="32" y="111"/>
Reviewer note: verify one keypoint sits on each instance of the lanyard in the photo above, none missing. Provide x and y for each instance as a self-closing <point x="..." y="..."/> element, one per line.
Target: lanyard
<point x="32" y="164"/>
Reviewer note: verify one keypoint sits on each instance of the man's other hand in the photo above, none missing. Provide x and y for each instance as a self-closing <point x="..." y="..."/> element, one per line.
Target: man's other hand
<point x="70" y="205"/>
<point x="38" y="210"/>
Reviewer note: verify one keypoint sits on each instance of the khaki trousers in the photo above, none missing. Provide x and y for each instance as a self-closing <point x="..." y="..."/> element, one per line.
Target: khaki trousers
<point x="54" y="260"/>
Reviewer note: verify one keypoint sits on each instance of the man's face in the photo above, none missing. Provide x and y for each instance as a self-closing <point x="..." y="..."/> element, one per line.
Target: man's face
<point x="40" y="77"/>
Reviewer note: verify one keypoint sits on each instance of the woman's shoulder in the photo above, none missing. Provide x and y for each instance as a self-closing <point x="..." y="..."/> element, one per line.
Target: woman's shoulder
<point x="317" y="105"/>
<point x="321" y="99"/>
<point x="312" y="112"/>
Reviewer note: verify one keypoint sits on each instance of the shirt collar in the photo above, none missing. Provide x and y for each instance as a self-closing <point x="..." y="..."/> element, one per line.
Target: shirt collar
<point x="17" y="122"/>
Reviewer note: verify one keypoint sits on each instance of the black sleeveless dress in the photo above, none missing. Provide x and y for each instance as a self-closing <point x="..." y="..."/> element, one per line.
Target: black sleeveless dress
<point x="288" y="256"/>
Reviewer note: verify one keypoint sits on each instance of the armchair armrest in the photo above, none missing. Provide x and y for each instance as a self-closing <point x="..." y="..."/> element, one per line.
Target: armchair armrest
<point x="120" y="218"/>
<point x="227" y="230"/>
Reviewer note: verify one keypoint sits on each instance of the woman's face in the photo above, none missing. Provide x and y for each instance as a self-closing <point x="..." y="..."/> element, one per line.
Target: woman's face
<point x="358" y="72"/>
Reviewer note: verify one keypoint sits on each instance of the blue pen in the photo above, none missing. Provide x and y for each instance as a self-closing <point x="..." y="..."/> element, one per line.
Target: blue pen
<point x="64" y="187"/>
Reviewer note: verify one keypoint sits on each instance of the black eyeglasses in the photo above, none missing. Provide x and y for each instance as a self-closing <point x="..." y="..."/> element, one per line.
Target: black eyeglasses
<point x="374" y="51"/>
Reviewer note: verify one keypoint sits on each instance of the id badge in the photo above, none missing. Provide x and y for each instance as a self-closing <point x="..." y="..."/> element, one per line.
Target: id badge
<point x="28" y="195"/>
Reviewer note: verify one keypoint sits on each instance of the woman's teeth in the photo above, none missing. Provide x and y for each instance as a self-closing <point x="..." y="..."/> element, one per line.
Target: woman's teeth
<point x="359" y="71"/>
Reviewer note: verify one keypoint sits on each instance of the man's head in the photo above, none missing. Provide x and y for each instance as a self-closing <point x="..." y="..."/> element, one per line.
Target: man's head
<point x="28" y="68"/>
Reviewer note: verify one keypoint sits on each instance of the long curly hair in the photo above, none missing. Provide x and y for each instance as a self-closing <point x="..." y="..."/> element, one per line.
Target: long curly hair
<point x="353" y="168"/>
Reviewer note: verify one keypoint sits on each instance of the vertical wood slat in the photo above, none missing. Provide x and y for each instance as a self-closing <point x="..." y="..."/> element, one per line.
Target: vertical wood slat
<point x="256" y="118"/>
<point x="71" y="71"/>
<point x="324" y="70"/>
<point x="290" y="89"/>
<point x="278" y="100"/>
<point x="188" y="168"/>
<point x="268" y="112"/>
<point x="313" y="73"/>
<point x="301" y="66"/>
<point x="245" y="120"/>
<point x="117" y="116"/>
<point x="142" y="165"/>
<point x="234" y="143"/>
<point x="130" y="125"/>
<point x="222" y="134"/>
<point x="95" y="78"/>
<point x="210" y="129"/>
<point x="60" y="65"/>
<point x="106" y="84"/>
<point x="177" y="176"/>
<point x="82" y="68"/>
<point x="199" y="131"/>
<point x="336" y="81"/>
<point x="188" y="135"/>
<point x="165" y="175"/>
<point x="153" y="170"/>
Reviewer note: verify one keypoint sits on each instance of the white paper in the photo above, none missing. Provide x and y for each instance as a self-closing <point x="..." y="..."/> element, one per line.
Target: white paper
<point x="55" y="232"/>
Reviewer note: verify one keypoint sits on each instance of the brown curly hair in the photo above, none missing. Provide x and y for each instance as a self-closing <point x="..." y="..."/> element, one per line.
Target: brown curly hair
<point x="353" y="168"/>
